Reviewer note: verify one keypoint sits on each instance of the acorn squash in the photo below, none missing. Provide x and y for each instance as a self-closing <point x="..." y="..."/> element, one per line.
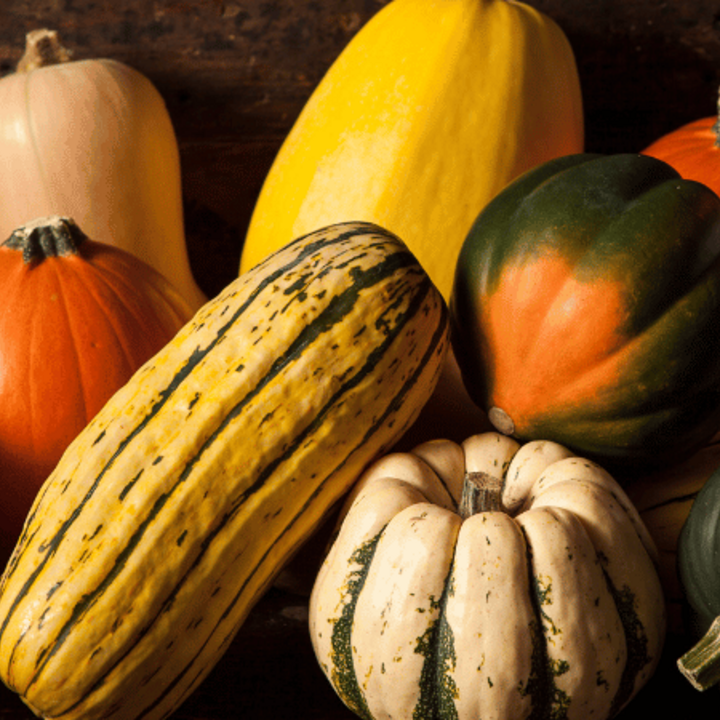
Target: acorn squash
<point x="698" y="549"/>
<point x="488" y="580"/>
<point x="664" y="497"/>
<point x="586" y="305"/>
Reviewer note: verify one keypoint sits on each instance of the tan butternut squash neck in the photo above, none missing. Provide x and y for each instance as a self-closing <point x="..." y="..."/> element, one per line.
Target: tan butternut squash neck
<point x="42" y="48"/>
<point x="47" y="237"/>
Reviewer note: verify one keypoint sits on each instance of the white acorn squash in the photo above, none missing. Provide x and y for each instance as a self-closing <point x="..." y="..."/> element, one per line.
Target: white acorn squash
<point x="488" y="580"/>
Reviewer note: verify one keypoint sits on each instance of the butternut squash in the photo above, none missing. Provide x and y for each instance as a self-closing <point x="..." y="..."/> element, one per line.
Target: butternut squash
<point x="93" y="140"/>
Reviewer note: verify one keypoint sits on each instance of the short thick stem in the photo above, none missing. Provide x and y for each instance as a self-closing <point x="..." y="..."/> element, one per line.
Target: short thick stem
<point x="47" y="237"/>
<point x="42" y="48"/>
<point x="481" y="493"/>
<point x="701" y="664"/>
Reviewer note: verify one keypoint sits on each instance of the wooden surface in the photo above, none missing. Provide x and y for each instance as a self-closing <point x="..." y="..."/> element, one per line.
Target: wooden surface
<point x="235" y="74"/>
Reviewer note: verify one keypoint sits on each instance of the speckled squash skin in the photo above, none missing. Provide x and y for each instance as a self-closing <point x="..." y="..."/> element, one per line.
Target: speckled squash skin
<point x="173" y="510"/>
<point x="585" y="309"/>
<point x="488" y="580"/>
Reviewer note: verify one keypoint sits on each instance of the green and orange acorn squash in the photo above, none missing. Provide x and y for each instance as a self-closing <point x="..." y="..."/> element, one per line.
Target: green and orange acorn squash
<point x="586" y="305"/>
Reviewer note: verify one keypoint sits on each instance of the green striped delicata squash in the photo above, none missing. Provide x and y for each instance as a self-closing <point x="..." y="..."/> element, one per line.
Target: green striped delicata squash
<point x="173" y="510"/>
<point x="488" y="579"/>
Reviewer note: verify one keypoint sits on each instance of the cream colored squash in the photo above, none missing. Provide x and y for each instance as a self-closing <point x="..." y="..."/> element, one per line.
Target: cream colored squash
<point x="488" y="580"/>
<point x="93" y="140"/>
<point x="432" y="108"/>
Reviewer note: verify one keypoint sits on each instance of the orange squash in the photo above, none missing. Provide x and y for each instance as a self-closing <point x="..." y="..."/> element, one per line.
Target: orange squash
<point x="693" y="150"/>
<point x="77" y="319"/>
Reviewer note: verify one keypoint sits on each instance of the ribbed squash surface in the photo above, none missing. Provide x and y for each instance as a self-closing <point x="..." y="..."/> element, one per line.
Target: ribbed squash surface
<point x="586" y="305"/>
<point x="488" y="580"/>
<point x="171" y="512"/>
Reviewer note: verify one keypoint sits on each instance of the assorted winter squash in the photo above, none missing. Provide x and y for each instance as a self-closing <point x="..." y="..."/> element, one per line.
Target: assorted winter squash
<point x="227" y="449"/>
<point x="488" y="579"/>
<point x="449" y="408"/>
<point x="78" y="318"/>
<point x="93" y="140"/>
<point x="585" y="309"/>
<point x="427" y="113"/>
<point x="505" y="575"/>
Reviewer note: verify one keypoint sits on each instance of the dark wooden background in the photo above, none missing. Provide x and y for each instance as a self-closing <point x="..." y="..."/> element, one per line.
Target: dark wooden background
<point x="234" y="75"/>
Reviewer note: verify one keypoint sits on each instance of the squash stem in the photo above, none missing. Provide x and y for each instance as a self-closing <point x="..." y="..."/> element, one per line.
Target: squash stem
<point x="46" y="237"/>
<point x="480" y="493"/>
<point x="42" y="48"/>
<point x="701" y="664"/>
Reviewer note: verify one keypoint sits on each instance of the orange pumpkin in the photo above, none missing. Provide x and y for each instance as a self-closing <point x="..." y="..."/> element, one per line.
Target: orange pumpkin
<point x="693" y="150"/>
<point x="78" y="318"/>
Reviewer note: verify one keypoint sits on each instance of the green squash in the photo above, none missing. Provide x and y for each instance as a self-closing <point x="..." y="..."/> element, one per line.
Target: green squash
<point x="699" y="574"/>
<point x="586" y="306"/>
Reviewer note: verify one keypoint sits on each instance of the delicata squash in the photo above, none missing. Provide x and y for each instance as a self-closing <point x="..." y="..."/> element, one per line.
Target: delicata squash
<point x="173" y="510"/>
<point x="488" y="580"/>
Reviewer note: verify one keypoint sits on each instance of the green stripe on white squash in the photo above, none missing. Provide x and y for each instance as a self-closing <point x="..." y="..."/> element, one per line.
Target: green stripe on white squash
<point x="488" y="580"/>
<point x="172" y="511"/>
